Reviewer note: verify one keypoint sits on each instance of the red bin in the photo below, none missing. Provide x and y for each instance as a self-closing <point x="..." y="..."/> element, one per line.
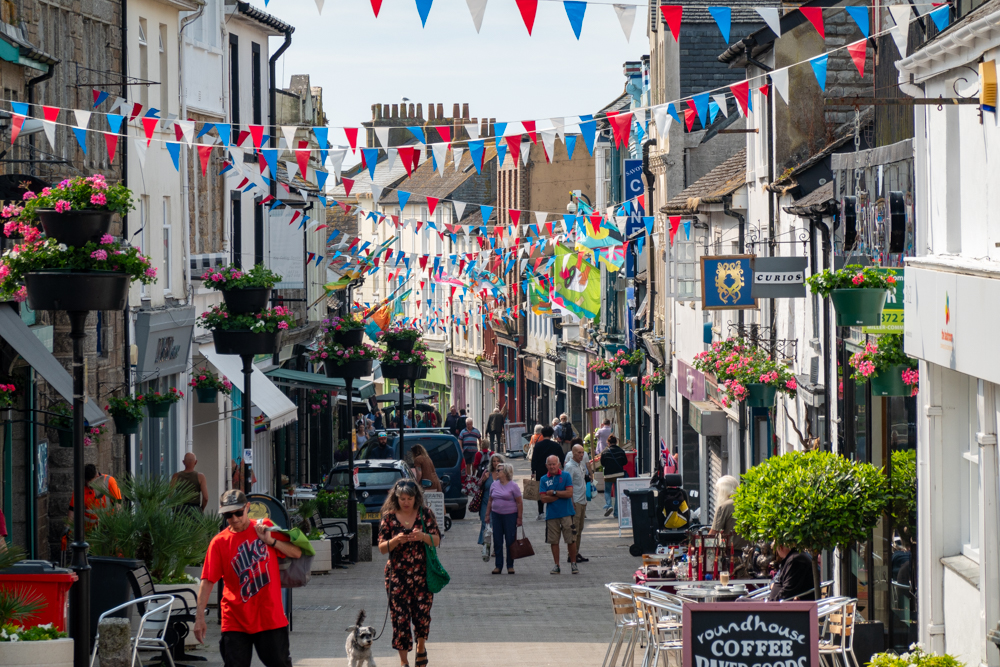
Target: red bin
<point x="50" y="582"/>
<point x="630" y="466"/>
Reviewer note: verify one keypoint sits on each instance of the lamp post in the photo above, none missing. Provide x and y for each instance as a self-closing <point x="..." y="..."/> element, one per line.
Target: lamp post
<point x="352" y="498"/>
<point x="80" y="592"/>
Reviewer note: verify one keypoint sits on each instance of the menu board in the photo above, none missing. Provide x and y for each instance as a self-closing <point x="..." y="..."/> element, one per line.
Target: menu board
<point x="751" y="634"/>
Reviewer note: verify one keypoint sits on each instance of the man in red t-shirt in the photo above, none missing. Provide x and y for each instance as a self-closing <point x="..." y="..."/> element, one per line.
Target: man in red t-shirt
<point x="245" y="556"/>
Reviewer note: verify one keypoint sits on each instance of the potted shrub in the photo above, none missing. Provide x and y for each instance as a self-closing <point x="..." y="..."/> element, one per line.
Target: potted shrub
<point x="208" y="385"/>
<point x="247" y="333"/>
<point x="127" y="413"/>
<point x="916" y="657"/>
<point x="347" y="331"/>
<point x="810" y="501"/>
<point x="626" y="364"/>
<point x="243" y="291"/>
<point x="59" y="425"/>
<point x="399" y="338"/>
<point x="858" y="293"/>
<point x="903" y="494"/>
<point x="22" y="643"/>
<point x="342" y="362"/>
<point x="655" y="381"/>
<point x="883" y="363"/>
<point x="158" y="405"/>
<point x="77" y="211"/>
<point x="399" y="365"/>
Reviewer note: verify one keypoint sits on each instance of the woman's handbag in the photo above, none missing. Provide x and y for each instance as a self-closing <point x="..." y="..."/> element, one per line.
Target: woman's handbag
<point x="521" y="548"/>
<point x="477" y="500"/>
<point x="437" y="576"/>
<point x="530" y="489"/>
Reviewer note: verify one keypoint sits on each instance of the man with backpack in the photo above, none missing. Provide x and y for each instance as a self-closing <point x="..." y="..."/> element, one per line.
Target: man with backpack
<point x="614" y="460"/>
<point x="564" y="432"/>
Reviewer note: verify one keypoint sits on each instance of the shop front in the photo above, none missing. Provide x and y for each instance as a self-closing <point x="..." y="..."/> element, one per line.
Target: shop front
<point x="576" y="391"/>
<point x="532" y="390"/>
<point x="436" y="382"/>
<point x="466" y="387"/>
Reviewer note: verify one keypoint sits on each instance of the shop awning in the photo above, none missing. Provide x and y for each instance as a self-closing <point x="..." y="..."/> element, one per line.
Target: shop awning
<point x="267" y="397"/>
<point x="393" y="397"/>
<point x="23" y="340"/>
<point x="282" y="376"/>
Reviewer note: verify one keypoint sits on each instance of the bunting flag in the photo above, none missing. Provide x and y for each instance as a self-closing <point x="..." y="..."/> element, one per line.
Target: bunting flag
<point x="570" y="140"/>
<point x="111" y="139"/>
<point x="779" y="79"/>
<point x="204" y="153"/>
<point x="815" y="16"/>
<point x="99" y="96"/>
<point x="370" y="156"/>
<point x="376" y="6"/>
<point x="80" y="131"/>
<point x="351" y="133"/>
<point x="723" y="18"/>
<point x="662" y="120"/>
<point x="626" y="17"/>
<point x="860" y="16"/>
<point x="174" y="148"/>
<point x="721" y="103"/>
<point x="575" y="11"/>
<point x="672" y="110"/>
<point x="18" y="120"/>
<point x="459" y="209"/>
<point x="858" y="51"/>
<point x="701" y="105"/>
<point x="478" y="9"/>
<point x="403" y="198"/>
<point x="819" y="69"/>
<point x="528" y="9"/>
<point x="672" y="15"/>
<point x="50" y="115"/>
<point x="476" y="149"/>
<point x="741" y="91"/>
<point x="588" y="130"/>
<point x="432" y="203"/>
<point x="772" y="17"/>
<point x="485" y="212"/>
<point x="675" y="223"/>
<point x="941" y="17"/>
<point x="423" y="9"/>
<point x="621" y="124"/>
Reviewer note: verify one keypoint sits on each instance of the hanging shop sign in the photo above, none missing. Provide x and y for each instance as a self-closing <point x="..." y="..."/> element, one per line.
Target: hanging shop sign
<point x="549" y="373"/>
<point x="750" y="634"/>
<point x="892" y="312"/>
<point x="531" y="369"/>
<point x="690" y="382"/>
<point x="164" y="340"/>
<point x="576" y="368"/>
<point x="779" y="278"/>
<point x="634" y="188"/>
<point x="707" y="418"/>
<point x="727" y="282"/>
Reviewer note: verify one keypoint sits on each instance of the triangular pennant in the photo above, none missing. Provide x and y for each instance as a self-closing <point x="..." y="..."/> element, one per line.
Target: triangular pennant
<point x="382" y="134"/>
<point x="99" y="96"/>
<point x="723" y="18"/>
<point x="529" y="128"/>
<point x="476" y="151"/>
<point x="819" y="69"/>
<point x="187" y="129"/>
<point x="588" y="130"/>
<point x="288" y="133"/>
<point x="174" y="148"/>
<point x="689" y="117"/>
<point x="432" y="203"/>
<point x="701" y="105"/>
<point x="741" y="91"/>
<point x="459" y="209"/>
<point x="900" y="33"/>
<point x="444" y="131"/>
<point x="302" y="158"/>
<point x="626" y="17"/>
<point x="352" y="137"/>
<point x="772" y="17"/>
<point x="621" y="124"/>
<point x="149" y="126"/>
<point x="662" y="120"/>
<point x="257" y="134"/>
<point x="51" y="115"/>
<point x="860" y="16"/>
<point x="779" y="79"/>
<point x="720" y="101"/>
<point x="515" y="216"/>
<point x="941" y="16"/>
<point x="477" y="8"/>
<point x="140" y="152"/>
<point x="672" y="15"/>
<point x="406" y="157"/>
<point x="525" y="148"/>
<point x="418" y="132"/>
<point x="456" y="156"/>
<point x="570" y="141"/>
<point x="815" y="16"/>
<point x="371" y="159"/>
<point x="528" y="9"/>
<point x="376" y="194"/>
<point x="672" y="110"/>
<point x="858" y="51"/>
<point x="111" y="139"/>
<point x="574" y="12"/>
<point x="502" y="153"/>
<point x="204" y="153"/>
<point x="271" y="160"/>
<point x="348" y="184"/>
<point x="485" y="212"/>
<point x="423" y="9"/>
<point x="440" y="154"/>
<point x="81" y="137"/>
<point x="764" y="89"/>
<point x="549" y="143"/>
<point x="337" y="161"/>
<point x="472" y="130"/>
<point x="319" y="6"/>
<point x="713" y="110"/>
<point x="376" y="6"/>
<point x="292" y="169"/>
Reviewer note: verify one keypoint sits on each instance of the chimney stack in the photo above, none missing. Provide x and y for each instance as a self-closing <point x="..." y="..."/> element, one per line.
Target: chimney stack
<point x="375" y="108"/>
<point x="454" y="110"/>
<point x="385" y="111"/>
<point x="420" y="111"/>
<point x="440" y="110"/>
<point x="395" y="111"/>
<point x="465" y="111"/>
<point x="430" y="112"/>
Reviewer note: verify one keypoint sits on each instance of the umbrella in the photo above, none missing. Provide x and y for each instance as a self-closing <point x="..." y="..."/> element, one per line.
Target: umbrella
<point x="393" y="397"/>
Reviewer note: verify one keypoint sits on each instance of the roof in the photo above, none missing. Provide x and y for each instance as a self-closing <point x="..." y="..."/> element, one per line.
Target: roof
<point x="384" y="176"/>
<point x="762" y="40"/>
<point x="623" y="101"/>
<point x="818" y="202"/>
<point x="262" y="17"/>
<point x="743" y="11"/>
<point x="956" y="35"/>
<point x="711" y="188"/>
<point x="27" y="54"/>
<point x="426" y="182"/>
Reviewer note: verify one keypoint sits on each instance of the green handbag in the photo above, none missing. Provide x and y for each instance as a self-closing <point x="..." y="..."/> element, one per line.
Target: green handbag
<point x="437" y="576"/>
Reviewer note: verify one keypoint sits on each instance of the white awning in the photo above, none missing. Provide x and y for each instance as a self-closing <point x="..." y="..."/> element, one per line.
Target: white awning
<point x="263" y="393"/>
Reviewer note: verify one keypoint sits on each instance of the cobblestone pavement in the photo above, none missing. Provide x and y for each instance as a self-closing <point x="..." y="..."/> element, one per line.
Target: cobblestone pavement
<point x="478" y="619"/>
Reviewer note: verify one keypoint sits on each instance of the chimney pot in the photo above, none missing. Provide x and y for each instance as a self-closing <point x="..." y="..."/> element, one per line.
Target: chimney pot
<point x="454" y="110"/>
<point x="440" y="110"/>
<point x="385" y="111"/>
<point x="412" y="112"/>
<point x="465" y="111"/>
<point x="420" y="110"/>
<point x="430" y="112"/>
<point x="395" y="111"/>
<point x="374" y="112"/>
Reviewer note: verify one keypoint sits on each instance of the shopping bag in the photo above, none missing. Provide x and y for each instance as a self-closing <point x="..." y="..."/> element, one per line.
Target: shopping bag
<point x="487" y="543"/>
<point x="437" y="576"/>
<point x="295" y="572"/>
<point x="590" y="491"/>
<point x="521" y="548"/>
<point x="530" y="489"/>
<point x="477" y="500"/>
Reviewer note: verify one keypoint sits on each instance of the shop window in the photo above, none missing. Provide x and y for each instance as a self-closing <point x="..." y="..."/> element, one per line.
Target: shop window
<point x="158" y="449"/>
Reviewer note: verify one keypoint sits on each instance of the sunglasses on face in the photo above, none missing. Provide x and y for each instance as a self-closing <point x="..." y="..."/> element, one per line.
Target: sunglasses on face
<point x="229" y="515"/>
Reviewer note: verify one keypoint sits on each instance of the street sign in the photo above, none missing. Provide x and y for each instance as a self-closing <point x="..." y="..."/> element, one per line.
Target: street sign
<point x="779" y="277"/>
<point x="602" y="388"/>
<point x="750" y="634"/>
<point x="633" y="188"/>
<point x="602" y="401"/>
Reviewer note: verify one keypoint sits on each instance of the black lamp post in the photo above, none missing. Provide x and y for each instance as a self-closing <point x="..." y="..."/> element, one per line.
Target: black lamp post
<point x="352" y="498"/>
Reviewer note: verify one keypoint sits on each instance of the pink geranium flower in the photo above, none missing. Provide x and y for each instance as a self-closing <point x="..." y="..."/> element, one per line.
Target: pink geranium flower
<point x="99" y="254"/>
<point x="62" y="206"/>
<point x="98" y="198"/>
<point x="106" y="239"/>
<point x="858" y="279"/>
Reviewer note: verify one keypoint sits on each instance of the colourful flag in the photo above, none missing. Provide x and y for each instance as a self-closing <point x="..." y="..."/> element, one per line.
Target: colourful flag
<point x="576" y="283"/>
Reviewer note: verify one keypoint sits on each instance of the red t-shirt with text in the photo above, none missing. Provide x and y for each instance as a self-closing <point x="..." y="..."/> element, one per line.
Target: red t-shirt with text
<point x="251" y="600"/>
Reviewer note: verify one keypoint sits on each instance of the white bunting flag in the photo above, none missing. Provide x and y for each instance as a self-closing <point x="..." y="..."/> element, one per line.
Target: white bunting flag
<point x="456" y="156"/>
<point x="288" y="132"/>
<point x="382" y="134"/>
<point x="779" y="79"/>
<point x="772" y="18"/>
<point x="540" y="217"/>
<point x="901" y="17"/>
<point x="187" y="129"/>
<point x="292" y="168"/>
<point x="120" y="102"/>
<point x="477" y="8"/>
<point x="168" y="122"/>
<point x="720" y="100"/>
<point x="319" y="6"/>
<point x="626" y="16"/>
<point x="140" y="151"/>
<point x="337" y="156"/>
<point x="459" y="210"/>
<point x="525" y="151"/>
<point x="50" y="132"/>
<point x="559" y="124"/>
<point x="440" y="155"/>
<point x="82" y="118"/>
<point x="549" y="142"/>
<point x="662" y="120"/>
<point x="391" y="154"/>
<point x="376" y="194"/>
<point x="473" y="131"/>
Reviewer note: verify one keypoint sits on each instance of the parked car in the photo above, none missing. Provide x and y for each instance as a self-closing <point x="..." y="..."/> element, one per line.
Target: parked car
<point x="446" y="453"/>
<point x="374" y="479"/>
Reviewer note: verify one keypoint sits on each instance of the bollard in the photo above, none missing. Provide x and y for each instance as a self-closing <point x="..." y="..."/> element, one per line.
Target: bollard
<point x="365" y="542"/>
<point x="114" y="645"/>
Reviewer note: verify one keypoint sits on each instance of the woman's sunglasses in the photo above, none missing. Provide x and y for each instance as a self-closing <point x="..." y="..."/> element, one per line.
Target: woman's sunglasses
<point x="406" y="484"/>
<point x="229" y="515"/>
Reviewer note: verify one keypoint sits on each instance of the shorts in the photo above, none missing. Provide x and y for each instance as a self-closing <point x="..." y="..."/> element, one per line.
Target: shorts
<point x="470" y="456"/>
<point x="564" y="526"/>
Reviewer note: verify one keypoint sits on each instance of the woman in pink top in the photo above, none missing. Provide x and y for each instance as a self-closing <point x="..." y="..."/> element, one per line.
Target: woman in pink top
<point x="506" y="509"/>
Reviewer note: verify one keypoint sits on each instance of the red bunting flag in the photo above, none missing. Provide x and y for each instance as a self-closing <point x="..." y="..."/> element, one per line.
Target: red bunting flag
<point x="642" y="201"/>
<point x="136" y="110"/>
<point x="675" y="223"/>
<point x="51" y="114"/>
<point x="302" y="157"/>
<point x="15" y="130"/>
<point x="741" y="91"/>
<point x="432" y="203"/>
<point x="595" y="222"/>
<point x="513" y="146"/>
<point x="239" y="140"/>
<point x="149" y="126"/>
<point x="352" y="138"/>
<point x="621" y="124"/>
<point x="515" y="215"/>
<point x="858" y="51"/>
<point x="689" y="117"/>
<point x="529" y="127"/>
<point x="815" y="16"/>
<point x="295" y="216"/>
<point x="672" y="15"/>
<point x="444" y="132"/>
<point x="257" y="132"/>
<point x="764" y="89"/>
<point x="528" y="9"/>
<point x="348" y="184"/>
<point x="406" y="157"/>
<point x="110" y="140"/>
<point x="97" y="94"/>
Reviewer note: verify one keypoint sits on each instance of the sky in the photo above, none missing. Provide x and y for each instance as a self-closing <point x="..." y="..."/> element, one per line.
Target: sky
<point x="501" y="72"/>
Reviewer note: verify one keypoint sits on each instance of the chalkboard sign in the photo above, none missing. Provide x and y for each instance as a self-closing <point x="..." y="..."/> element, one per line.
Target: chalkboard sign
<point x="751" y="634"/>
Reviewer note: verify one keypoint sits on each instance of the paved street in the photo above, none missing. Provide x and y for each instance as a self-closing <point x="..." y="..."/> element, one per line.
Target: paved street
<point x="479" y="618"/>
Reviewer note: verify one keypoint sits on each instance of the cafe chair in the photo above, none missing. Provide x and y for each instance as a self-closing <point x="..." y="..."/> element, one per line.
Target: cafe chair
<point x="662" y="621"/>
<point x="838" y="634"/>
<point x="626" y="622"/>
<point x="152" y="630"/>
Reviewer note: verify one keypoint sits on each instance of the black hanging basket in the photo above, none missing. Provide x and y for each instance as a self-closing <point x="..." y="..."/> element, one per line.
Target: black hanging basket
<point x="207" y="394"/>
<point x="75" y="228"/>
<point x="249" y="300"/>
<point x="356" y="368"/>
<point x="422" y="373"/>
<point x="401" y="344"/>
<point x="245" y="342"/>
<point x="401" y="371"/>
<point x="58" y="289"/>
<point x="349" y="338"/>
<point x="160" y="410"/>
<point x="126" y="425"/>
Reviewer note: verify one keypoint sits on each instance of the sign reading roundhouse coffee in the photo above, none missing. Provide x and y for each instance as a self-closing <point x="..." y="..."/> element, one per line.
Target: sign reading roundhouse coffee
<point x="751" y="634"/>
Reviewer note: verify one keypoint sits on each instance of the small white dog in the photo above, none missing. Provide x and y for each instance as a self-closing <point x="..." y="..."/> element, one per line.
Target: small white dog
<point x="359" y="643"/>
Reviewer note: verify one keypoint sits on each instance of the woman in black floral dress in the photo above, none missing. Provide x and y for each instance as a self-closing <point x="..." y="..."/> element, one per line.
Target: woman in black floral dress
<point x="406" y="527"/>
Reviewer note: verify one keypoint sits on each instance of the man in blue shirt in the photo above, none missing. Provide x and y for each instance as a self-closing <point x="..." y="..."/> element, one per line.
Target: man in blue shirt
<point x="555" y="489"/>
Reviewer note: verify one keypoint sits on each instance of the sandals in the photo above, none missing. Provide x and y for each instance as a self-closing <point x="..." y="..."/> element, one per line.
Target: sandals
<point x="421" y="659"/>
<point x="496" y="570"/>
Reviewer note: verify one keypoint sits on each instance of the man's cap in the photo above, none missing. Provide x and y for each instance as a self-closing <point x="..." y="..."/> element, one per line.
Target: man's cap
<point x="383" y="434"/>
<point x="232" y="500"/>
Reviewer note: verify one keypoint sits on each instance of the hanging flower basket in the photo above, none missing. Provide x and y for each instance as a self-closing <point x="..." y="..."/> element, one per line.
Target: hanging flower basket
<point x="75" y="227"/>
<point x="126" y="425"/>
<point x="400" y="339"/>
<point x="354" y="368"/>
<point x="158" y="405"/>
<point x="858" y="293"/>
<point x="889" y="382"/>
<point x="245" y="342"/>
<point x="761" y="395"/>
<point x="422" y="373"/>
<point x="401" y="371"/>
<point x="247" y="333"/>
<point x="858" y="307"/>
<point x="344" y="331"/>
<point x="248" y="300"/>
<point x="208" y="385"/>
<point x="243" y="291"/>
<point x="60" y="289"/>
<point x="349" y="338"/>
<point x="655" y="381"/>
<point x="207" y="394"/>
<point x="127" y="413"/>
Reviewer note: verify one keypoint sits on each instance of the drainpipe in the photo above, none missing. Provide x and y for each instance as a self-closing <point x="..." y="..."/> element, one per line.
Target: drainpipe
<point x="816" y="222"/>
<point x="30" y="86"/>
<point x="743" y="415"/>
<point x="272" y="102"/>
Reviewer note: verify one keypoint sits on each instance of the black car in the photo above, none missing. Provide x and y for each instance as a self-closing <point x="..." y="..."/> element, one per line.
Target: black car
<point x="372" y="484"/>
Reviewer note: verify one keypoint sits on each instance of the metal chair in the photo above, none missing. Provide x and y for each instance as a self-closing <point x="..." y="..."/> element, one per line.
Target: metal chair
<point x="662" y="621"/>
<point x="186" y="600"/>
<point x="150" y="635"/>
<point x="623" y="607"/>
<point x="838" y="632"/>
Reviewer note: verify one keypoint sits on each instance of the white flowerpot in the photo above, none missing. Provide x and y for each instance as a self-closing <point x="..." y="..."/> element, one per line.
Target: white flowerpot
<point x="323" y="562"/>
<point x="50" y="653"/>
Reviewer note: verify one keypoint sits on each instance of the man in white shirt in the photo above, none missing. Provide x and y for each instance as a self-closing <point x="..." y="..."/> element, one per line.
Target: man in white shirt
<point x="578" y="471"/>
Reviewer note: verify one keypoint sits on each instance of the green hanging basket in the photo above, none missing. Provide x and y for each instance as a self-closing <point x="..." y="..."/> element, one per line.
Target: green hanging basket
<point x="207" y="394"/>
<point x="158" y="410"/>
<point x="858" y="307"/>
<point x="890" y="382"/>
<point x="126" y="425"/>
<point x="760" y="395"/>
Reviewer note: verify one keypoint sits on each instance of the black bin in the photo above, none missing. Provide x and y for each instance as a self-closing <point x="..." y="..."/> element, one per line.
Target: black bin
<point x="642" y="503"/>
<point x="109" y="586"/>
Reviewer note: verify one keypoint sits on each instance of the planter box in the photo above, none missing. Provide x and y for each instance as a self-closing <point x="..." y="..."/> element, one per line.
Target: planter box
<point x="75" y="228"/>
<point x="323" y="562"/>
<point x="50" y="653"/>
<point x="245" y="342"/>
<point x="57" y="289"/>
